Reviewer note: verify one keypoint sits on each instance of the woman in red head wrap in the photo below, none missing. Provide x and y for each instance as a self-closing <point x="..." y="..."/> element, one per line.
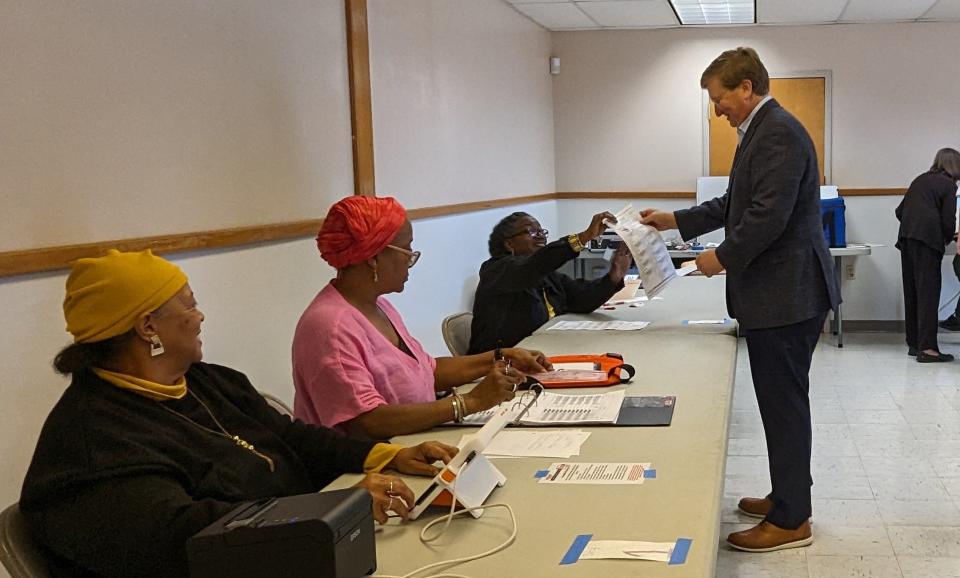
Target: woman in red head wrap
<point x="355" y="365"/>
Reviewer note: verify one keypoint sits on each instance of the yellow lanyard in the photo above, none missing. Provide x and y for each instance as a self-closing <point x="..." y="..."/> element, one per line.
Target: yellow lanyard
<point x="550" y="312"/>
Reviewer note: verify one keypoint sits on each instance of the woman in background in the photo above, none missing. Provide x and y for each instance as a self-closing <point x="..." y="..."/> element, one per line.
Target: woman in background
<point x="149" y="445"/>
<point x="520" y="288"/>
<point x="927" y="224"/>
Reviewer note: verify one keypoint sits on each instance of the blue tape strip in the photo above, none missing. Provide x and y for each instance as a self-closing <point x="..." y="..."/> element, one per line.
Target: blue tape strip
<point x="680" y="550"/>
<point x="541" y="473"/>
<point x="573" y="554"/>
<point x="649" y="473"/>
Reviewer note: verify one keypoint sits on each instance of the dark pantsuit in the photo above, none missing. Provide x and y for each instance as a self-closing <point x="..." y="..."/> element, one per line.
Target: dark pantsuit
<point x="780" y="363"/>
<point x="921" y="292"/>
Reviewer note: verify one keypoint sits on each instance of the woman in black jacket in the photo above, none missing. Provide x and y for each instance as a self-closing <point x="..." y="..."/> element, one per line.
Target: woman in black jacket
<point x="927" y="224"/>
<point x="520" y="288"/>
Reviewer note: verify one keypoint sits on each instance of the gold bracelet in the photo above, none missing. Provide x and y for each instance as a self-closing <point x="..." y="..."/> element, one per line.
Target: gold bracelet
<point x="575" y="243"/>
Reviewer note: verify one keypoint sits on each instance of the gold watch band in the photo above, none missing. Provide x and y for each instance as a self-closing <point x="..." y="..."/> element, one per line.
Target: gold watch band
<point x="575" y="243"/>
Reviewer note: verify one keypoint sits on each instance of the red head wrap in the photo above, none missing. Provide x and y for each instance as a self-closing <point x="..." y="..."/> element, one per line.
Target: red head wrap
<point x="357" y="228"/>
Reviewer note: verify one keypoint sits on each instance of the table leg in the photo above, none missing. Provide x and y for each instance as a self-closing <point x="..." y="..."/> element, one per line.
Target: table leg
<point x="838" y="314"/>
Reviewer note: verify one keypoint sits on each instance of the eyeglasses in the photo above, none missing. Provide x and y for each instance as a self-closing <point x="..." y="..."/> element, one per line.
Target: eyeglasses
<point x="412" y="256"/>
<point x="532" y="231"/>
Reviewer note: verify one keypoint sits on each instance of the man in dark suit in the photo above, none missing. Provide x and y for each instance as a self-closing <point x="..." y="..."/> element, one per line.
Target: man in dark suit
<point x="780" y="281"/>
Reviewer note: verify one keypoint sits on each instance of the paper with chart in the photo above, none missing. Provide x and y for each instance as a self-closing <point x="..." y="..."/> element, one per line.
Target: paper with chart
<point x="648" y="249"/>
<point x="628" y="550"/>
<point x="594" y="473"/>
<point x="537" y="443"/>
<point x="557" y="409"/>
<point x="598" y="326"/>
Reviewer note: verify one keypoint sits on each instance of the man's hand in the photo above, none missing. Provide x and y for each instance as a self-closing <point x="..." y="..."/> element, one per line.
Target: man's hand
<point x="659" y="220"/>
<point x="708" y="263"/>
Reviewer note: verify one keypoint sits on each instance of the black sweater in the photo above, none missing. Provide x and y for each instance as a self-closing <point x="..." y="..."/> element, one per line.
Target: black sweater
<point x="927" y="212"/>
<point x="118" y="484"/>
<point x="509" y="306"/>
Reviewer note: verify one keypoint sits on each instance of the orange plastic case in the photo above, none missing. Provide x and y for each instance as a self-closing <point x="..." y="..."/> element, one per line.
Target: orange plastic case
<point x="610" y="363"/>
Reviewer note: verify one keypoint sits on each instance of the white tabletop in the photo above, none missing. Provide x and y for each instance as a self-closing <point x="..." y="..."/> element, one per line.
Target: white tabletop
<point x="696" y="363"/>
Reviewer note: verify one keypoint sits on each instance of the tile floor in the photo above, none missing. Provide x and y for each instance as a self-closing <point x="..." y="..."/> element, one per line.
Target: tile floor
<point x="886" y="465"/>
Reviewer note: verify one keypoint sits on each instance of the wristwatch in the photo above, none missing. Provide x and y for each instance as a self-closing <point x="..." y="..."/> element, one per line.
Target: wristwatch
<point x="575" y="243"/>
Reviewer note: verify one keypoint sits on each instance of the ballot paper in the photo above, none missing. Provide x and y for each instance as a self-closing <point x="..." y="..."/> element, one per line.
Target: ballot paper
<point x="557" y="409"/>
<point x="706" y="322"/>
<point x="684" y="271"/>
<point x="598" y="326"/>
<point x="648" y="249"/>
<point x="594" y="473"/>
<point x="537" y="444"/>
<point x="627" y="550"/>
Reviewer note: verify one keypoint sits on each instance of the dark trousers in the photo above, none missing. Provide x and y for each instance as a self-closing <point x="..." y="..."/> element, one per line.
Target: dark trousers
<point x="780" y="364"/>
<point x="956" y="271"/>
<point x="921" y="292"/>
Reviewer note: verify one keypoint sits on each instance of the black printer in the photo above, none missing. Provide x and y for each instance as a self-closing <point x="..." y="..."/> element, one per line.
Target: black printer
<point x="327" y="534"/>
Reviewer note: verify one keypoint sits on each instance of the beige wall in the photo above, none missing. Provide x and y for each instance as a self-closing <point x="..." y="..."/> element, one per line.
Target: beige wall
<point x="628" y="104"/>
<point x="143" y="118"/>
<point x="462" y="101"/>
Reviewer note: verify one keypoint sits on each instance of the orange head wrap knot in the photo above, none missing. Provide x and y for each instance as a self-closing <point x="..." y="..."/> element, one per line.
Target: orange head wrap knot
<point x="359" y="227"/>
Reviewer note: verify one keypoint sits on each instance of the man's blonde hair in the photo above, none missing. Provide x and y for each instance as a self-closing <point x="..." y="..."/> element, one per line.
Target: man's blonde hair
<point x="734" y="66"/>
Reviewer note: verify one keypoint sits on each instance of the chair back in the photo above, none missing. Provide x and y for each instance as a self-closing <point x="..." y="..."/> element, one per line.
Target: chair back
<point x="277" y="403"/>
<point x="19" y="553"/>
<point x="456" y="332"/>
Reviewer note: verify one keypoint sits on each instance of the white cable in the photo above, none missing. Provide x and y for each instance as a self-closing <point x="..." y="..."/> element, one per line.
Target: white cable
<point x="448" y="518"/>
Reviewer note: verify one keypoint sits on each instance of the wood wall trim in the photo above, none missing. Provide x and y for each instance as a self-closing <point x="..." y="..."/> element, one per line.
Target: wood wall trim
<point x="899" y="192"/>
<point x="361" y="109"/>
<point x="443" y="210"/>
<point x="53" y="258"/>
<point x="627" y="195"/>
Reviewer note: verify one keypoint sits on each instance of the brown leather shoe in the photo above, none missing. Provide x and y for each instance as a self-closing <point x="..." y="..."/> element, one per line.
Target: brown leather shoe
<point x="755" y="507"/>
<point x="765" y="537"/>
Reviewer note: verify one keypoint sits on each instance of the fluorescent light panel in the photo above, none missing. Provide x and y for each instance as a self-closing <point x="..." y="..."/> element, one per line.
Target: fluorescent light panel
<point x="715" y="11"/>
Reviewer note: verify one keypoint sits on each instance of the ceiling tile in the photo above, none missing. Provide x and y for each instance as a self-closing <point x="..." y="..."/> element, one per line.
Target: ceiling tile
<point x="791" y="11"/>
<point x="557" y="16"/>
<point x="631" y="14"/>
<point x="881" y="10"/>
<point x="944" y="10"/>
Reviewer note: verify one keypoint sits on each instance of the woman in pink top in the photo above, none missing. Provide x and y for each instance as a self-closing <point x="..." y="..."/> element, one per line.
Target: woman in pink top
<point x="355" y="365"/>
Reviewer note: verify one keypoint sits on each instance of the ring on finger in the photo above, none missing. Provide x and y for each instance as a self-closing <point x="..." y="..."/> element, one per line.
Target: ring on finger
<point x="390" y="489"/>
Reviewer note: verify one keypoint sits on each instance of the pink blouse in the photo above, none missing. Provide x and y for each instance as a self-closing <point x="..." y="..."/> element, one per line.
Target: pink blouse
<point x="344" y="367"/>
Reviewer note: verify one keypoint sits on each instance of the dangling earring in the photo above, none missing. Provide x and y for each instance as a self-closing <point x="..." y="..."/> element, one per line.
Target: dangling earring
<point x="156" y="347"/>
<point x="376" y="278"/>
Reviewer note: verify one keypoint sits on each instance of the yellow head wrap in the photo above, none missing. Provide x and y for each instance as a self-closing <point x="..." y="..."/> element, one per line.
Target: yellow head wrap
<point x="107" y="295"/>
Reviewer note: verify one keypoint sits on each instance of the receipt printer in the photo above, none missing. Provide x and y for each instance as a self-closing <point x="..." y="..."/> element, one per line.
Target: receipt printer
<point x="324" y="535"/>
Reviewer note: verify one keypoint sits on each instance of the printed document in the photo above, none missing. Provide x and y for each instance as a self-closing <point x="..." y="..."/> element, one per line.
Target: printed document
<point x="627" y="550"/>
<point x="557" y="409"/>
<point x="648" y="249"/>
<point x="537" y="444"/>
<point x="594" y="473"/>
<point x="598" y="325"/>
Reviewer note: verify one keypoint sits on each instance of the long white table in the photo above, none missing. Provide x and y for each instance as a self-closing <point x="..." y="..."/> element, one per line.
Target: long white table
<point x="696" y="363"/>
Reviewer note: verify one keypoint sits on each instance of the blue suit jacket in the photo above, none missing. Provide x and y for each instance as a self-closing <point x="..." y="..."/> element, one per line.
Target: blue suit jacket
<point x="779" y="269"/>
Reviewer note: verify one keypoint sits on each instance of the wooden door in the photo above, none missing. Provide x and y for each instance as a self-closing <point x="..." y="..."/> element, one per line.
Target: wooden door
<point x="805" y="98"/>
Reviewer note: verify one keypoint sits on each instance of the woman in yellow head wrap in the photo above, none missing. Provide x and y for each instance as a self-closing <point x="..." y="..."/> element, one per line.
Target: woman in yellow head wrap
<point x="148" y="445"/>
